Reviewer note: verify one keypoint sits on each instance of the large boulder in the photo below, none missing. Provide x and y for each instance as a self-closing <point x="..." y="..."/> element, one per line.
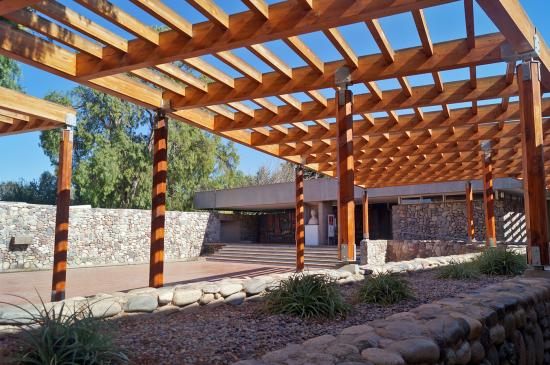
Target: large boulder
<point x="183" y="297"/>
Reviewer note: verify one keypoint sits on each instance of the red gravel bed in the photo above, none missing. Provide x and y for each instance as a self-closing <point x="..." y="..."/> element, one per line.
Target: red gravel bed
<point x="224" y="334"/>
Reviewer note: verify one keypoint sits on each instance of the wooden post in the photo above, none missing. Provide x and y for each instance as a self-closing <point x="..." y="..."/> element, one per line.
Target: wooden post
<point x="489" y="197"/>
<point x="470" y="212"/>
<point x="532" y="146"/>
<point x="64" y="172"/>
<point x="345" y="166"/>
<point x="300" y="220"/>
<point x="365" y="214"/>
<point x="160" y="168"/>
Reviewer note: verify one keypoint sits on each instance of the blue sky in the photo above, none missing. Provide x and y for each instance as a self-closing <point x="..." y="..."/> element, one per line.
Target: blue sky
<point x="24" y="158"/>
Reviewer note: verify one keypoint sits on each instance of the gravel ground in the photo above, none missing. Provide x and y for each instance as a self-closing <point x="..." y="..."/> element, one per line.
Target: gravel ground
<point x="221" y="335"/>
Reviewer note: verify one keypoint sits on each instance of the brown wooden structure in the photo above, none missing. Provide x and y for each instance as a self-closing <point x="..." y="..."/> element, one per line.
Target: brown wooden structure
<point x="300" y="220"/>
<point x="398" y="149"/>
<point x="20" y="113"/>
<point x="470" y="212"/>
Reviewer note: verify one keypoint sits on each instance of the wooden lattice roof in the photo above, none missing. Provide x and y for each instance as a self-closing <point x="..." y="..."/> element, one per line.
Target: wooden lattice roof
<point x="400" y="148"/>
<point x="20" y="113"/>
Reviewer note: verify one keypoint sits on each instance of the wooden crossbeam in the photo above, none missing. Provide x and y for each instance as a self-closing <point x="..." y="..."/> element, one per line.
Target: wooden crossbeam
<point x="9" y="6"/>
<point x="212" y="11"/>
<point x="260" y="7"/>
<point x="167" y="15"/>
<point x="448" y="55"/>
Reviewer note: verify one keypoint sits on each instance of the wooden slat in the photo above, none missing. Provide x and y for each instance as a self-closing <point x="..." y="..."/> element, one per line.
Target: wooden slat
<point x="9" y="6"/>
<point x="298" y="46"/>
<point x="167" y="15"/>
<point x="186" y="77"/>
<point x="240" y="65"/>
<point x="422" y="27"/>
<point x="260" y="7"/>
<point x="210" y="71"/>
<point x="263" y="53"/>
<point x="212" y="11"/>
<point x="342" y="46"/>
<point x="124" y="20"/>
<point x="69" y="17"/>
<point x="54" y="31"/>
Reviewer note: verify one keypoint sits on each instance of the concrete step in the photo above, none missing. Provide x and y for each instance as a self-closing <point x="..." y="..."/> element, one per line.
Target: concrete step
<point x="276" y="257"/>
<point x="272" y="262"/>
<point x="279" y="252"/>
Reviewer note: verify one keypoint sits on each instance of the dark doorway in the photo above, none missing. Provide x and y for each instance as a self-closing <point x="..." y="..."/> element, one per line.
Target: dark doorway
<point x="380" y="221"/>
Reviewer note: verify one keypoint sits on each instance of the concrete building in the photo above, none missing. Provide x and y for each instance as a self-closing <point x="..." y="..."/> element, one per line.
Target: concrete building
<point x="265" y="214"/>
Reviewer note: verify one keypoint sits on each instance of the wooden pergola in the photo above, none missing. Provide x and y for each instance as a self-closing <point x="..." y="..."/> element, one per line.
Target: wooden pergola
<point x="20" y="113"/>
<point x="340" y="136"/>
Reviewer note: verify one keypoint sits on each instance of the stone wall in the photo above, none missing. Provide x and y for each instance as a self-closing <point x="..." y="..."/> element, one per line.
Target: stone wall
<point x="506" y="323"/>
<point x="99" y="236"/>
<point x="447" y="221"/>
<point x="378" y="252"/>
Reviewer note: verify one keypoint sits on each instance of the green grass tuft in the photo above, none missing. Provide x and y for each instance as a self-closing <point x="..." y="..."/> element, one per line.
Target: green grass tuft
<point x="459" y="271"/>
<point x="500" y="261"/>
<point x="66" y="337"/>
<point x="385" y="289"/>
<point x="307" y="296"/>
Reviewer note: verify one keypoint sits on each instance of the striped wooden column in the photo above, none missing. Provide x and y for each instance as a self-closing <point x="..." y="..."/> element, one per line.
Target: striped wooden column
<point x="64" y="172"/>
<point x="489" y="198"/>
<point x="345" y="173"/>
<point x="365" y="214"/>
<point x="160" y="170"/>
<point x="470" y="212"/>
<point x="532" y="146"/>
<point x="300" y="220"/>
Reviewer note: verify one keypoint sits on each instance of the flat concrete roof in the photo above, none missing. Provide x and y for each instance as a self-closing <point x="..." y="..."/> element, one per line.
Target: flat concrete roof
<point x="282" y="196"/>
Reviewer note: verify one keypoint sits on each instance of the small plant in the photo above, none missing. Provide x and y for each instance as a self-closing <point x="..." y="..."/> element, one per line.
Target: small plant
<point x="308" y="297"/>
<point x="500" y="261"/>
<point x="59" y="336"/>
<point x="385" y="289"/>
<point x="459" y="271"/>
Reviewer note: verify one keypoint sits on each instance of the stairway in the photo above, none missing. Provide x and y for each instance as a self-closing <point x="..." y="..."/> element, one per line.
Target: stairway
<point x="275" y="254"/>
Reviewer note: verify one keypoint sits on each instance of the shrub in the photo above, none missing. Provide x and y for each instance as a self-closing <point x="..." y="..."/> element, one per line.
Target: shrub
<point x="459" y="271"/>
<point x="385" y="289"/>
<point x="59" y="336"/>
<point x="500" y="261"/>
<point x="307" y="296"/>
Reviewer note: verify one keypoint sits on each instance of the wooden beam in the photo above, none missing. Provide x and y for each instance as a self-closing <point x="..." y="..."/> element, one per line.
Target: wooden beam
<point x="346" y="200"/>
<point x="212" y="11"/>
<point x="489" y="199"/>
<point x="298" y="46"/>
<point x="300" y="220"/>
<point x="534" y="185"/>
<point x="9" y="6"/>
<point x="166" y="15"/>
<point x="260" y="7"/>
<point x="448" y="55"/>
<point x="470" y="226"/>
<point x="61" y="243"/>
<point x="160" y="171"/>
<point x="366" y="235"/>
<point x="286" y="19"/>
<point x="512" y="20"/>
<point x="470" y="25"/>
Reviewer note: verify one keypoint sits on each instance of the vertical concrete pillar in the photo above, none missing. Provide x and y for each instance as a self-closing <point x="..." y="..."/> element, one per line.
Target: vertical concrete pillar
<point x="158" y="210"/>
<point x="64" y="172"/>
<point x="532" y="145"/>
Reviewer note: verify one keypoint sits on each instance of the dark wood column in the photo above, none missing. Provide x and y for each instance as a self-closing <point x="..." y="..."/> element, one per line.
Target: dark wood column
<point x="64" y="172"/>
<point x="300" y="220"/>
<point x="489" y="197"/>
<point x="365" y="214"/>
<point x="470" y="212"/>
<point x="160" y="169"/>
<point x="345" y="165"/>
<point x="532" y="145"/>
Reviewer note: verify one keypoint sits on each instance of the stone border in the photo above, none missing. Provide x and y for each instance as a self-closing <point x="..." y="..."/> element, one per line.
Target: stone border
<point x="505" y="323"/>
<point x="194" y="296"/>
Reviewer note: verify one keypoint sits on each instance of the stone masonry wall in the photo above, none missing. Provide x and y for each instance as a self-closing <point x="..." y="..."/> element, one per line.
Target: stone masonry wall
<point x="447" y="221"/>
<point x="506" y="323"/>
<point x="99" y="236"/>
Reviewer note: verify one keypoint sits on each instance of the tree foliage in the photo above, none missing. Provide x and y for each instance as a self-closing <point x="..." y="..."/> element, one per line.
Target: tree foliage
<point x="41" y="191"/>
<point x="112" y="159"/>
<point x="10" y="73"/>
<point x="285" y="172"/>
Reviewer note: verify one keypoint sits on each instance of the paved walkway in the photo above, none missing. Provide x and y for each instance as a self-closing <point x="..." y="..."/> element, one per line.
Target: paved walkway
<point x="88" y="281"/>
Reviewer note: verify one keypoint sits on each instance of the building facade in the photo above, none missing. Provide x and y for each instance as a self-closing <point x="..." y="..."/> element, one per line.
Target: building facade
<point x="265" y="214"/>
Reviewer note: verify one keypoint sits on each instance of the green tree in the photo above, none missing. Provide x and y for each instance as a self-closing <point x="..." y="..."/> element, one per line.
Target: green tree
<point x="10" y="73"/>
<point x="112" y="159"/>
<point x="41" y="191"/>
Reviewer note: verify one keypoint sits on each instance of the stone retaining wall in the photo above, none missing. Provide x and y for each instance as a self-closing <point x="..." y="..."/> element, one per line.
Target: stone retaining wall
<point x="506" y="323"/>
<point x="378" y="252"/>
<point x="99" y="236"/>
<point x="447" y="221"/>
